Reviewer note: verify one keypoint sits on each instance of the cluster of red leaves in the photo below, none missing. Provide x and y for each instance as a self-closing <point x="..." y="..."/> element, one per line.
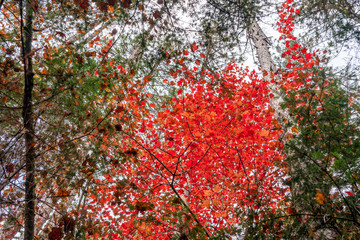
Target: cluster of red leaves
<point x="301" y="80"/>
<point x="213" y="148"/>
<point x="300" y="61"/>
<point x="211" y="155"/>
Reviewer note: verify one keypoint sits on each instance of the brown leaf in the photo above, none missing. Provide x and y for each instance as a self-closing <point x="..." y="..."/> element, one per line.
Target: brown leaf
<point x="61" y="34"/>
<point x="68" y="223"/>
<point x="125" y="3"/>
<point x="141" y="7"/>
<point x="10" y="167"/>
<point x="113" y="32"/>
<point x="90" y="54"/>
<point x="119" y="109"/>
<point x="103" y="6"/>
<point x="55" y="234"/>
<point x="131" y="152"/>
<point x="157" y="14"/>
<point x="118" y="127"/>
<point x="31" y="144"/>
<point x="112" y="2"/>
<point x="5" y="99"/>
<point x="143" y="206"/>
<point x="62" y="192"/>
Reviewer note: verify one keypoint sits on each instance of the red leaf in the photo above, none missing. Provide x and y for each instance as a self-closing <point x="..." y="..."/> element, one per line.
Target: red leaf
<point x="193" y="47"/>
<point x="350" y="193"/>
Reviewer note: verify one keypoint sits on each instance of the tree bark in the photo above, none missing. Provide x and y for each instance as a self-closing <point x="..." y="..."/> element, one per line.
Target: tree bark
<point x="28" y="118"/>
<point x="261" y="43"/>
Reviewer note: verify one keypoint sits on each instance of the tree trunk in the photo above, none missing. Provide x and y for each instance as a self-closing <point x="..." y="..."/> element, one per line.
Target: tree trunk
<point x="261" y="43"/>
<point x="28" y="118"/>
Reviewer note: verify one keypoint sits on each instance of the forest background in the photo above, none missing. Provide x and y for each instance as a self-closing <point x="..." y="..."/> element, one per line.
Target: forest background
<point x="118" y="120"/>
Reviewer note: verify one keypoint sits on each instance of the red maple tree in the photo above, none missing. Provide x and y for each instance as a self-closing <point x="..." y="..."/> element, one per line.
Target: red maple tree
<point x="204" y="163"/>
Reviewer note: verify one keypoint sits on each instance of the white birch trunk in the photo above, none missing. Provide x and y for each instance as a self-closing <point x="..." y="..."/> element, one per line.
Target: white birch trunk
<point x="261" y="43"/>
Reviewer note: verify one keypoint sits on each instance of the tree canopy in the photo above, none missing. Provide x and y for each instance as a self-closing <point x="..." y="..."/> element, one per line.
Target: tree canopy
<point x="129" y="119"/>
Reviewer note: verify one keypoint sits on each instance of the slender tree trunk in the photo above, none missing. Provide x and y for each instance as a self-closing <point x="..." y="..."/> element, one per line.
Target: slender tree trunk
<point x="28" y="118"/>
<point x="261" y="44"/>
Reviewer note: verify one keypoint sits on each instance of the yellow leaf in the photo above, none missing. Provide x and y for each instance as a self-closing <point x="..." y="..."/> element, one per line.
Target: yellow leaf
<point x="311" y="233"/>
<point x="320" y="198"/>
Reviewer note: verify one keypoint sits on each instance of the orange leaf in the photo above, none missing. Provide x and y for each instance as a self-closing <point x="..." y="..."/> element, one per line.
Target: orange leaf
<point x="5" y="99"/>
<point x="294" y="130"/>
<point x="206" y="203"/>
<point x="207" y="193"/>
<point x="320" y="198"/>
<point x="31" y="144"/>
<point x="264" y="133"/>
<point x="217" y="188"/>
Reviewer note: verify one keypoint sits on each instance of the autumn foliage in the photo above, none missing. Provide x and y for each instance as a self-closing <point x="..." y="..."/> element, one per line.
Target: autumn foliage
<point x="166" y="149"/>
<point x="204" y="163"/>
